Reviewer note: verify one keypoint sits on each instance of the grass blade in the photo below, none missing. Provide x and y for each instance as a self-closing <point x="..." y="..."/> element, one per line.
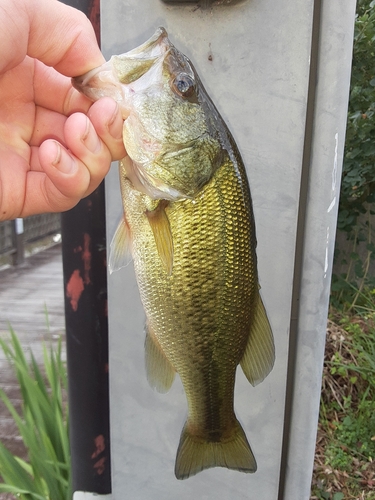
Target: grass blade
<point x="42" y="424"/>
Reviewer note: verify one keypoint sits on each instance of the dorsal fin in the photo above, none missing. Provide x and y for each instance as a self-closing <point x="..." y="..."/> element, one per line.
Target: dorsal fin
<point x="161" y="229"/>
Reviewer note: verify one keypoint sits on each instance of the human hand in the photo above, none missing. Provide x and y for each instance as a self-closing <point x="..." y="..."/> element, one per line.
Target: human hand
<point x="55" y="145"/>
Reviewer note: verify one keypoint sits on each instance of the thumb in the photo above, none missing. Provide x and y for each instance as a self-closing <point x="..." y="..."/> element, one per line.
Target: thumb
<point x="69" y="44"/>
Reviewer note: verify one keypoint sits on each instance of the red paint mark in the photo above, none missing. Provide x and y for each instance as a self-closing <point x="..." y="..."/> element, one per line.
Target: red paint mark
<point x="86" y="257"/>
<point x="100" y="466"/>
<point x="99" y="445"/>
<point x="74" y="289"/>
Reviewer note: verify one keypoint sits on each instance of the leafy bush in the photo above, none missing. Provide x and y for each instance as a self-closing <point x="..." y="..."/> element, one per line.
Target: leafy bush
<point x="42" y="424"/>
<point x="357" y="198"/>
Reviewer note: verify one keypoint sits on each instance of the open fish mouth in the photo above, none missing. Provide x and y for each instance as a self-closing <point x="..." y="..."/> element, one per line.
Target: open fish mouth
<point x="154" y="46"/>
<point x="109" y="79"/>
<point x="99" y="82"/>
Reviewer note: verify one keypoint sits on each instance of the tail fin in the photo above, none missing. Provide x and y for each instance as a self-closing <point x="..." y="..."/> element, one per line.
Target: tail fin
<point x="195" y="454"/>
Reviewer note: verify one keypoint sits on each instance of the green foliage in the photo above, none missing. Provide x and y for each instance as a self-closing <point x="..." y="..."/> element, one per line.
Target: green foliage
<point x="326" y="495"/>
<point x="42" y="425"/>
<point x="358" y="184"/>
<point x="355" y="430"/>
<point x="353" y="436"/>
<point x="347" y="412"/>
<point x="357" y="198"/>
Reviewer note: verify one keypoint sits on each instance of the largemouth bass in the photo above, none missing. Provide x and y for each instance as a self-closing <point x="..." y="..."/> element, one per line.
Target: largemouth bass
<point x="189" y="224"/>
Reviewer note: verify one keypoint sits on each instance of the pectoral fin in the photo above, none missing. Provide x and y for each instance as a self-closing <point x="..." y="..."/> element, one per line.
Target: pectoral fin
<point x="161" y="228"/>
<point x="119" y="255"/>
<point x="259" y="355"/>
<point x="160" y="372"/>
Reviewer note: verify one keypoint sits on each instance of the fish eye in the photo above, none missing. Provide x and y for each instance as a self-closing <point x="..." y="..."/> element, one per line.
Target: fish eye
<point x="183" y="85"/>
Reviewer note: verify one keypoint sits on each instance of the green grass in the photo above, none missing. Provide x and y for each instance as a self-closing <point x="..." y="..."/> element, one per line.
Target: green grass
<point x="345" y="457"/>
<point x="42" y="424"/>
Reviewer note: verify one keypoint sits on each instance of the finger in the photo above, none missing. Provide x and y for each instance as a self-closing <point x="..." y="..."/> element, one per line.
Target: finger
<point x="61" y="190"/>
<point x="58" y="182"/>
<point x="87" y="153"/>
<point x="12" y="183"/>
<point x="54" y="91"/>
<point x="54" y="181"/>
<point x="85" y="144"/>
<point x="48" y="125"/>
<point x="14" y="28"/>
<point x="69" y="44"/>
<point x="16" y="105"/>
<point x="105" y="115"/>
<point x="94" y="150"/>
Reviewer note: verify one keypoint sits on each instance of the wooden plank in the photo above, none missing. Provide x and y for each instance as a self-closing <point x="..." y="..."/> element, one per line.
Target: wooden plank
<point x="28" y="291"/>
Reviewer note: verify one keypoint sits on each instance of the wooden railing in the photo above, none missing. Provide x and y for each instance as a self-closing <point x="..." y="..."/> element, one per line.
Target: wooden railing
<point x="16" y="234"/>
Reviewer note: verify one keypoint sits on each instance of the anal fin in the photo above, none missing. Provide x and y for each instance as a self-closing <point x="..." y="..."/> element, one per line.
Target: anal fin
<point x="259" y="355"/>
<point x="160" y="372"/>
<point x="161" y="229"/>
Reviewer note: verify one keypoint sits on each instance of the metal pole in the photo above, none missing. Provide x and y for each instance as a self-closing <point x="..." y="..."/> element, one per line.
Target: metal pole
<point x="300" y="238"/>
<point x="85" y="285"/>
<point x="18" y="256"/>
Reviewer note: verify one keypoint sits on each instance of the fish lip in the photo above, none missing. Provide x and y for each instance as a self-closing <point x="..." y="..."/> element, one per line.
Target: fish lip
<point x="154" y="48"/>
<point x="157" y="40"/>
<point x="79" y="81"/>
<point x="99" y="82"/>
<point x="151" y="52"/>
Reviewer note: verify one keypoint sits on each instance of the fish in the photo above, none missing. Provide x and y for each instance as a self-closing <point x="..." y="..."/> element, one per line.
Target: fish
<point x="189" y="225"/>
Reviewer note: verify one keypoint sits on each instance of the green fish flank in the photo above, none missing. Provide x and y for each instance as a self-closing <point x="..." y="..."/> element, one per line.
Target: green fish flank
<point x="189" y="224"/>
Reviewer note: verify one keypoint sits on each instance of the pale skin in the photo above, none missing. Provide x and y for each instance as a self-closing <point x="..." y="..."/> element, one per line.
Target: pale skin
<point x="56" y="146"/>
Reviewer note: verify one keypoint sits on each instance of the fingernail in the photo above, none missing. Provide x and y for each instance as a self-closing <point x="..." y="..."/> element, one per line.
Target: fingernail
<point x="90" y="138"/>
<point x="115" y="123"/>
<point x="63" y="161"/>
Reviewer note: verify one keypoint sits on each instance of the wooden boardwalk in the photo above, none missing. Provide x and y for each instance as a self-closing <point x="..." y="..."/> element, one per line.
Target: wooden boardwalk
<point x="28" y="291"/>
<point x="28" y="295"/>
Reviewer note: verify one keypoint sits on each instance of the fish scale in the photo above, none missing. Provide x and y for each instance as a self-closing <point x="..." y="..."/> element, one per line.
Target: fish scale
<point x="197" y="311"/>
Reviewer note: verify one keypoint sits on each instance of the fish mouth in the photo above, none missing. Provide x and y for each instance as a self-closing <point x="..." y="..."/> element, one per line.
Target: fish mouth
<point x="99" y="82"/>
<point x="114" y="78"/>
<point x="127" y="74"/>
<point x="146" y="54"/>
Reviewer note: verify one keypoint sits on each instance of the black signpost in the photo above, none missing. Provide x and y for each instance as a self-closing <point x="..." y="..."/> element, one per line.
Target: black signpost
<point x="85" y="286"/>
